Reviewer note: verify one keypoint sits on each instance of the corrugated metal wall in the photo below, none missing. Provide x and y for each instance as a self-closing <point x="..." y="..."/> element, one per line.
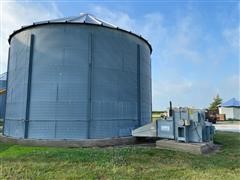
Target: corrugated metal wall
<point x="17" y="86"/>
<point x="2" y="99"/>
<point x="84" y="82"/>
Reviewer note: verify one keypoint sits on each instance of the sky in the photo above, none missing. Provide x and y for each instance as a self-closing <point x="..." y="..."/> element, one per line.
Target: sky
<point x="196" y="44"/>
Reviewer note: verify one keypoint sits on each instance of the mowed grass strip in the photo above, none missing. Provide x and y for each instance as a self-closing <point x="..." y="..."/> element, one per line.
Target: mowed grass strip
<point x="23" y="162"/>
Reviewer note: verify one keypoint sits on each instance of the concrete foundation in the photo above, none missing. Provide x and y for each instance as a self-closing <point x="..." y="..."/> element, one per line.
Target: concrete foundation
<point x="70" y="143"/>
<point x="193" y="148"/>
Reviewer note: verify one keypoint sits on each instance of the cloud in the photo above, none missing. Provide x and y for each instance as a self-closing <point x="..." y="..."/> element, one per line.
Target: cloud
<point x="176" y="90"/>
<point x="183" y="39"/>
<point x="231" y="35"/>
<point x="173" y="87"/>
<point x="186" y="58"/>
<point x="119" y="18"/>
<point x="169" y="44"/>
<point x="233" y="85"/>
<point x="15" y="14"/>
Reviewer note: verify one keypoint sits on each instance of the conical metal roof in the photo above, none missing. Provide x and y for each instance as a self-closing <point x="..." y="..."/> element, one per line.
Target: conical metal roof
<point x="83" y="18"/>
<point x="231" y="103"/>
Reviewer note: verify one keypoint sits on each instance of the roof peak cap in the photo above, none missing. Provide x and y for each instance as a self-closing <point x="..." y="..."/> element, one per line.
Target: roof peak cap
<point x="86" y="14"/>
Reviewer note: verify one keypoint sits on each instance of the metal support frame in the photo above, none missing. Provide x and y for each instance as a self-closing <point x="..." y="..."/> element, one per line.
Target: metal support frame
<point x="4" y="115"/>
<point x="29" y="86"/>
<point x="174" y="126"/>
<point x="90" y="79"/>
<point x="183" y="138"/>
<point x="139" y="85"/>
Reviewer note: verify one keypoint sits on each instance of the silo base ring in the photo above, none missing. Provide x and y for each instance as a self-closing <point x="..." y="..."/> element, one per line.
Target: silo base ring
<point x="70" y="143"/>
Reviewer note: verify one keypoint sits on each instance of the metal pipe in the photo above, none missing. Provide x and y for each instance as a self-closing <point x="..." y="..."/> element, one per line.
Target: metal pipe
<point x="171" y="114"/>
<point x="170" y="109"/>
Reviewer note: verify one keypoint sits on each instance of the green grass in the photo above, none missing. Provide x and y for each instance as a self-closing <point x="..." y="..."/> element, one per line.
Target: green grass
<point x="22" y="162"/>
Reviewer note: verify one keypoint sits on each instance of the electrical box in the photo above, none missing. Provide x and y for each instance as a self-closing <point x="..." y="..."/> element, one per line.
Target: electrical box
<point x="165" y="129"/>
<point x="184" y="124"/>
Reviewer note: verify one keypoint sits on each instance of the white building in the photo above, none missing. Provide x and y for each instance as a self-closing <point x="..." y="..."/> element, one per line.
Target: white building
<point x="231" y="109"/>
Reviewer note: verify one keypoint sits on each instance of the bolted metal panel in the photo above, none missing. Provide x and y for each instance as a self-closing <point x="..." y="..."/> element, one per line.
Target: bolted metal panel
<point x="112" y="128"/>
<point x="85" y="82"/>
<point x="14" y="128"/>
<point x="41" y="129"/>
<point x="17" y="86"/>
<point x="63" y="98"/>
<point x="145" y="79"/>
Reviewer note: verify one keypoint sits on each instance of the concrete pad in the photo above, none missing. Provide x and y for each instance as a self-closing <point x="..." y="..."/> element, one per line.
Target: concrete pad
<point x="193" y="148"/>
<point x="228" y="127"/>
<point x="70" y="143"/>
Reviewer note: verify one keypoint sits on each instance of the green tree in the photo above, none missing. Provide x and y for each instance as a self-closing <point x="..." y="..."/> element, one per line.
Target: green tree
<point x="216" y="102"/>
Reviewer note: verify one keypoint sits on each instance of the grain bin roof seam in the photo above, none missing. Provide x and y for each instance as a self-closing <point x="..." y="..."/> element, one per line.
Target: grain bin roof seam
<point x="73" y="20"/>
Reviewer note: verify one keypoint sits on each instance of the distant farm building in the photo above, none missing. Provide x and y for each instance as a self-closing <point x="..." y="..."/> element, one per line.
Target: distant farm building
<point x="2" y="94"/>
<point x="158" y="114"/>
<point x="231" y="109"/>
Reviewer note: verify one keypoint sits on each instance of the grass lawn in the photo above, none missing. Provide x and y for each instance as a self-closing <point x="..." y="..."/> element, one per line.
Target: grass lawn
<point x="22" y="162"/>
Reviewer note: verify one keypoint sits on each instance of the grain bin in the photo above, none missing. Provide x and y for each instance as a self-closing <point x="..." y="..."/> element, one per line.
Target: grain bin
<point x="77" y="78"/>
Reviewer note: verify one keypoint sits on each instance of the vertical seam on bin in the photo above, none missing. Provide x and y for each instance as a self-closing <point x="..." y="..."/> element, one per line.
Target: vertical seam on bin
<point x="139" y="85"/>
<point x="150" y="97"/>
<point x="57" y="93"/>
<point x="55" y="121"/>
<point x="5" y="110"/>
<point x="29" y="87"/>
<point x="90" y="68"/>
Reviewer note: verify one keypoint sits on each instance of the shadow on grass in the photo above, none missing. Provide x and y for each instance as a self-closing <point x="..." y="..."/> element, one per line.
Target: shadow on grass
<point x="227" y="157"/>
